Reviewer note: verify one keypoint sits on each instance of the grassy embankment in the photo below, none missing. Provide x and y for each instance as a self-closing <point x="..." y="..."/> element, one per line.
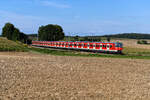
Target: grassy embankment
<point x="134" y="53"/>
<point x="8" y="45"/>
<point x="128" y="53"/>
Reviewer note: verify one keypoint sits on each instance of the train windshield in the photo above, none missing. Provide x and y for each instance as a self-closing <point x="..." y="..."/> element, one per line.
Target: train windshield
<point x="119" y="45"/>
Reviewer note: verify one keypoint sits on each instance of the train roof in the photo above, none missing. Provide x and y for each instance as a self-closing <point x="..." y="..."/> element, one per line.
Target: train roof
<point x="81" y="41"/>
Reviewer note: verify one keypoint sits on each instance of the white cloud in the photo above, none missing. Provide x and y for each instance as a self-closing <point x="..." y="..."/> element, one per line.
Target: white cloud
<point x="54" y="4"/>
<point x="76" y="17"/>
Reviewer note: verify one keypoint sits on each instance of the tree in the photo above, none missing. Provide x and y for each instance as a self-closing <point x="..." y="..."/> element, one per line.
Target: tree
<point x="76" y="38"/>
<point x="12" y="33"/>
<point x="50" y="33"/>
<point x="16" y="34"/>
<point x="8" y="30"/>
<point x="85" y="38"/>
<point x="142" y="42"/>
<point x="23" y="37"/>
<point x="108" y="39"/>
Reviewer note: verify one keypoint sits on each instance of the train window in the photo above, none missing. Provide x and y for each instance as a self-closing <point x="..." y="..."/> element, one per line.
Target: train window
<point x="118" y="45"/>
<point x="104" y="46"/>
<point x="70" y="44"/>
<point x="107" y="46"/>
<point x="97" y="46"/>
<point x="80" y="45"/>
<point x="110" y="46"/>
<point x="85" y="45"/>
<point x="91" y="45"/>
<point x="121" y="45"/>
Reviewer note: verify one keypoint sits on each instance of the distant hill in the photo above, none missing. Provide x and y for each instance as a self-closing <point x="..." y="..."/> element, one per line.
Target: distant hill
<point x="123" y="35"/>
<point x="130" y="36"/>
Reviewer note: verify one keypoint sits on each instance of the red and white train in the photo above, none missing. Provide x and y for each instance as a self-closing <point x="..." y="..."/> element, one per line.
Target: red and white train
<point x="89" y="46"/>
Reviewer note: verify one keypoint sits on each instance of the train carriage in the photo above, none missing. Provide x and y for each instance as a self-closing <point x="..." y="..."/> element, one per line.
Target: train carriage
<point x="90" y="46"/>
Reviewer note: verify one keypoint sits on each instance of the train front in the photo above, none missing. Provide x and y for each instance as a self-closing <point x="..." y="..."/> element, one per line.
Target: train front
<point x="119" y="47"/>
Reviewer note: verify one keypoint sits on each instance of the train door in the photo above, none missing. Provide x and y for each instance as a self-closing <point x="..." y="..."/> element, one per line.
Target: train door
<point x="42" y="43"/>
<point x="62" y="44"/>
<point x="85" y="46"/>
<point x="53" y="44"/>
<point x="108" y="46"/>
<point x="104" y="46"/>
<point x="75" y="44"/>
<point x="70" y="45"/>
<point x="97" y="47"/>
<point x="57" y="44"/>
<point x="48" y="43"/>
<point x="82" y="45"/>
<point x="94" y="46"/>
<point x="91" y="46"/>
<point x="111" y="46"/>
<point x="66" y="45"/>
<point x="79" y="45"/>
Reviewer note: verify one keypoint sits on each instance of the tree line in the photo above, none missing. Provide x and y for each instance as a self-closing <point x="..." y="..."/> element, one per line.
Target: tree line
<point x="48" y="32"/>
<point x="130" y="36"/>
<point x="13" y="33"/>
<point x="53" y="32"/>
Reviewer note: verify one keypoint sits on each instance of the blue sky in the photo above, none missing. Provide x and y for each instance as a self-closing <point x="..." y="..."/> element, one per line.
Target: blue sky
<point x="89" y="17"/>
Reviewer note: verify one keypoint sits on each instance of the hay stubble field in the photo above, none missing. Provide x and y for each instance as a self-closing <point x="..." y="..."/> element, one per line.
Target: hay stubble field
<point x="33" y="76"/>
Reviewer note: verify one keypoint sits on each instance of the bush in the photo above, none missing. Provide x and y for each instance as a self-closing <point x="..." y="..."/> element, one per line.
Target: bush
<point x="142" y="42"/>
